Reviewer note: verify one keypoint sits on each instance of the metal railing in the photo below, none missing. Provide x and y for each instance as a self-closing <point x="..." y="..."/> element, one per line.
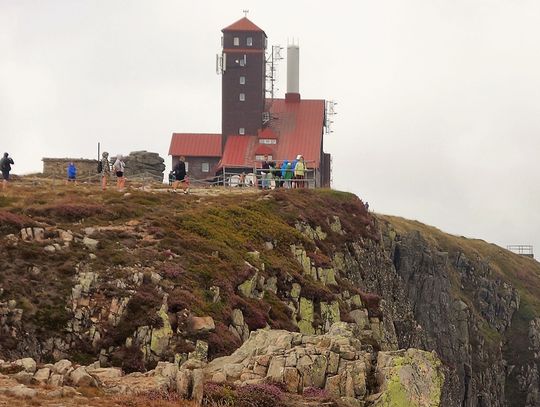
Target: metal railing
<point x="236" y="176"/>
<point x="522" y="249"/>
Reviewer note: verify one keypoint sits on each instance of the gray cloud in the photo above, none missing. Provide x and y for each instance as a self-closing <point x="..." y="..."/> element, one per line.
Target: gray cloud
<point x="438" y="101"/>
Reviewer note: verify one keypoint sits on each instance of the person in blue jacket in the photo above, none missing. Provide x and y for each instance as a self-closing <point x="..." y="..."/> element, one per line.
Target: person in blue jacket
<point x="71" y="173"/>
<point x="283" y="169"/>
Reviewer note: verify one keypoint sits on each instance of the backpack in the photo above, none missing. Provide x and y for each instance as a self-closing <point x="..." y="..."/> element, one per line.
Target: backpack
<point x="99" y="167"/>
<point x="4" y="164"/>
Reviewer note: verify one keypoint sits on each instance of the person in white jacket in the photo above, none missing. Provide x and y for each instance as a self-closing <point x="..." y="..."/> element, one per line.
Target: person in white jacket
<point x="119" y="167"/>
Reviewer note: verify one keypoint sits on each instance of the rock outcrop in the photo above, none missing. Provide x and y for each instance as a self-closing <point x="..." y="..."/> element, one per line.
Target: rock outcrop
<point x="144" y="164"/>
<point x="338" y="362"/>
<point x="149" y="279"/>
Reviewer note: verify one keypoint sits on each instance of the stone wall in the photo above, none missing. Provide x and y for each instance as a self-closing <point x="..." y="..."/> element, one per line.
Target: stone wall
<point x="57" y="167"/>
<point x="139" y="164"/>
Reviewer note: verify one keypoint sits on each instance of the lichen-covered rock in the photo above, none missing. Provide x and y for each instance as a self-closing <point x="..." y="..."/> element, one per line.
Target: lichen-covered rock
<point x="161" y="336"/>
<point x="306" y="313"/>
<point x="409" y="378"/>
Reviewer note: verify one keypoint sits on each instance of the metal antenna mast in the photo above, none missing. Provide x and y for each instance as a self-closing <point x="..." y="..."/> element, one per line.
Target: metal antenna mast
<point x="271" y="63"/>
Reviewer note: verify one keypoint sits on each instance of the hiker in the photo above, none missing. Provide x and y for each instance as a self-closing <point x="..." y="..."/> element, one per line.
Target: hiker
<point x="105" y="170"/>
<point x="264" y="173"/>
<point x="180" y="174"/>
<point x="271" y="174"/>
<point x="5" y="167"/>
<point x="119" y="167"/>
<point x="242" y="180"/>
<point x="293" y="166"/>
<point x="366" y="205"/>
<point x="299" y="173"/>
<point x="71" y="173"/>
<point x="288" y="174"/>
<point x="171" y="177"/>
<point x="283" y="169"/>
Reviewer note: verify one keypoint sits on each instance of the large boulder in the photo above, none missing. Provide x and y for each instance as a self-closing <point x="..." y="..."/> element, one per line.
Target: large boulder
<point x="409" y="377"/>
<point x="80" y="377"/>
<point x="144" y="164"/>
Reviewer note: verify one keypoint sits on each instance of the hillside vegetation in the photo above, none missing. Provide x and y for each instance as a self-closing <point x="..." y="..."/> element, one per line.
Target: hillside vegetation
<point x="145" y="277"/>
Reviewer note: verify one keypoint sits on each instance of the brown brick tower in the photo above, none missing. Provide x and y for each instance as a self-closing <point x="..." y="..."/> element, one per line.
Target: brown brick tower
<point x="243" y="81"/>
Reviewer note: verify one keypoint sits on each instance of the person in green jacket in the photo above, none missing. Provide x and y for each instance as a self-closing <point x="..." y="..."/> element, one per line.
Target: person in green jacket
<point x="288" y="175"/>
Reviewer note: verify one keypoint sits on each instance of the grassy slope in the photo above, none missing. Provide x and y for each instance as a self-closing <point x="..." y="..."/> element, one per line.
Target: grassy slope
<point x="193" y="242"/>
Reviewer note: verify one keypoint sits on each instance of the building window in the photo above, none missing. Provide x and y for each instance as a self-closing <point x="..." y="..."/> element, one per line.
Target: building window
<point x="249" y="41"/>
<point x="205" y="167"/>
<point x="187" y="166"/>
<point x="241" y="130"/>
<point x="260" y="157"/>
<point x="243" y="61"/>
<point x="242" y="97"/>
<point x="242" y="80"/>
<point x="267" y="141"/>
<point x="236" y="41"/>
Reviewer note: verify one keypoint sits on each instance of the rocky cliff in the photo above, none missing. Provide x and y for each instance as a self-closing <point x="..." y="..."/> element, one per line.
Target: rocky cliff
<point x="136" y="279"/>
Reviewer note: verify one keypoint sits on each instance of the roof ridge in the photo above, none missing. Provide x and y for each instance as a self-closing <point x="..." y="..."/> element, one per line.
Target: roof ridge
<point x="244" y="24"/>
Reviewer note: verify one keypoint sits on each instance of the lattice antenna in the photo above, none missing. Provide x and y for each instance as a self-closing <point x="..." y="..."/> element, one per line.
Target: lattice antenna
<point x="271" y="69"/>
<point x="330" y="112"/>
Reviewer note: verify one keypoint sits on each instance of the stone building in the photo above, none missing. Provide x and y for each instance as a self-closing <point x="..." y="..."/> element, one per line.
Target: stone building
<point x="57" y="167"/>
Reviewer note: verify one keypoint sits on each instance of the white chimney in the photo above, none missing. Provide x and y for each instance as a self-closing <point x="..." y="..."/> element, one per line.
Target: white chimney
<point x="293" y="73"/>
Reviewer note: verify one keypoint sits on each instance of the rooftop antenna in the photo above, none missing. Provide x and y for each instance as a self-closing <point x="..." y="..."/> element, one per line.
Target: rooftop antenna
<point x="329" y="113"/>
<point x="246" y="11"/>
<point x="271" y="69"/>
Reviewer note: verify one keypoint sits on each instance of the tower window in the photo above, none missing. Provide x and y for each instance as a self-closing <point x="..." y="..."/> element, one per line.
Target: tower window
<point x="249" y="41"/>
<point x="236" y="41"/>
<point x="242" y="97"/>
<point x="243" y="61"/>
<point x="242" y="80"/>
<point x="241" y="130"/>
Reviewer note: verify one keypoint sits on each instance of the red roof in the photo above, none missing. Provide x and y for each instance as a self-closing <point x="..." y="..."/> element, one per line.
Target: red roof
<point x="267" y="133"/>
<point x="239" y="151"/>
<point x="195" y="145"/>
<point x="244" y="24"/>
<point x="298" y="128"/>
<point x="264" y="149"/>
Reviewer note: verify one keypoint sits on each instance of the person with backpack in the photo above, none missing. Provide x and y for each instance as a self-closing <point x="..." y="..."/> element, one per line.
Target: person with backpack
<point x="119" y="168"/>
<point x="104" y="168"/>
<point x="71" y="173"/>
<point x="5" y="166"/>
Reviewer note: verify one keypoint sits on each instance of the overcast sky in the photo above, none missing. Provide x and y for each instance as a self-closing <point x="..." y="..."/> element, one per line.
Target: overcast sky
<point x="438" y="101"/>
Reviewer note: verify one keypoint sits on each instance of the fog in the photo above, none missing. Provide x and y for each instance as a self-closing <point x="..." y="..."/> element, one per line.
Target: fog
<point x="438" y="102"/>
